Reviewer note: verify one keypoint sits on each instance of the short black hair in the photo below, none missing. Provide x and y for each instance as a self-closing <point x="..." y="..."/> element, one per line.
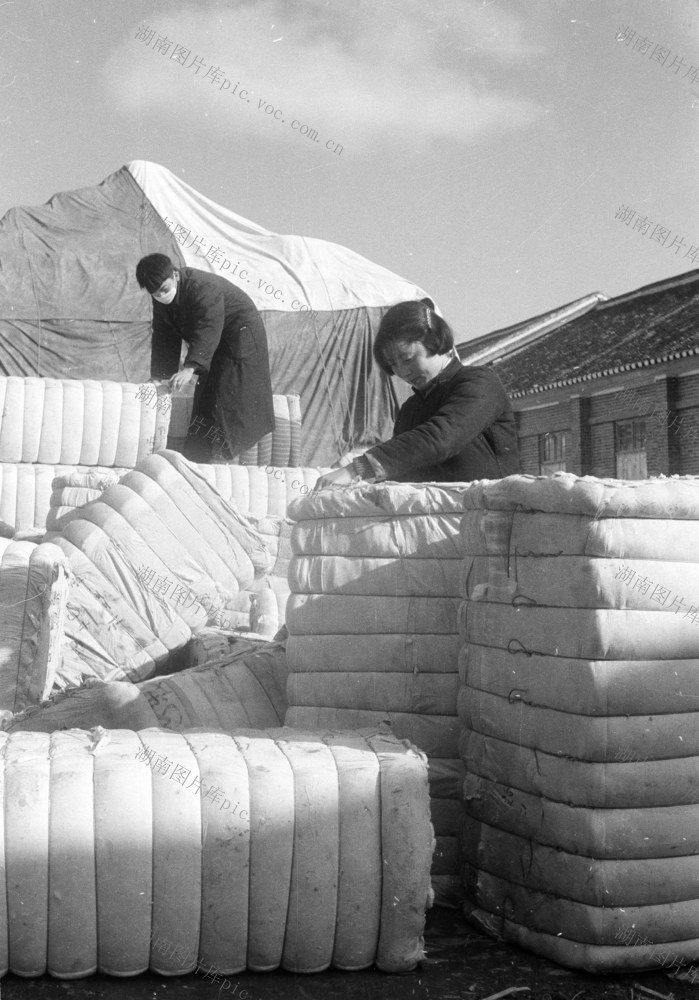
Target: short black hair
<point x="153" y="270"/>
<point x="408" y="322"/>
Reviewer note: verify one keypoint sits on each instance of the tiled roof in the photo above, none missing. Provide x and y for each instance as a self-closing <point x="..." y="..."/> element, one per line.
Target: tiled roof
<point x="654" y="324"/>
<point x="502" y="343"/>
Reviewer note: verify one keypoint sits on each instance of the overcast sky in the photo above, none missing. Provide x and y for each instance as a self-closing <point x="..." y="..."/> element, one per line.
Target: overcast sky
<point x="486" y="145"/>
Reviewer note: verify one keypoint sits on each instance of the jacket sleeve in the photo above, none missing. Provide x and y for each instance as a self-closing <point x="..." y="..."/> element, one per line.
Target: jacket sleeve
<point x="165" y="349"/>
<point x="207" y="317"/>
<point x="472" y="405"/>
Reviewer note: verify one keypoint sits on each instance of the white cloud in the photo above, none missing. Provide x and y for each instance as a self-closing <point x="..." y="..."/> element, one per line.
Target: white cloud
<point x="364" y="73"/>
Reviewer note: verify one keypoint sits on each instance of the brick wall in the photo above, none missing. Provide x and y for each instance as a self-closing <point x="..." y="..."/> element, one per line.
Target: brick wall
<point x="685" y="434"/>
<point x="603" y="455"/>
<point x="531" y="424"/>
<point x="590" y="419"/>
<point x="529" y="454"/>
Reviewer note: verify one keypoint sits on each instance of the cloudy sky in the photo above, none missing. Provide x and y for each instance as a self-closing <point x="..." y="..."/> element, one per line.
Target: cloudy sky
<point x="483" y="149"/>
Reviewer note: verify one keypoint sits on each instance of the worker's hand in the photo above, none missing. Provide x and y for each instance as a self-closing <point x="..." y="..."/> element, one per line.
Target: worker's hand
<point x="338" y="477"/>
<point x="183" y="378"/>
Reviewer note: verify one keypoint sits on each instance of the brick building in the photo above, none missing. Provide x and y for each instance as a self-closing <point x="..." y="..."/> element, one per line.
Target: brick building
<point x="605" y="387"/>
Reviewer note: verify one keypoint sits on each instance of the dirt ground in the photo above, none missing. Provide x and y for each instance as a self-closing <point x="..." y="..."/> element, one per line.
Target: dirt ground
<point x="461" y="964"/>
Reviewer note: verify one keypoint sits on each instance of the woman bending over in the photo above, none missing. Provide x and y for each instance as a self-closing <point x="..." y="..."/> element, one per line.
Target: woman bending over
<point x="456" y="427"/>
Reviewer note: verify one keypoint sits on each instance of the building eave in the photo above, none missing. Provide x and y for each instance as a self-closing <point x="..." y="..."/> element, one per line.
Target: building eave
<point x="604" y="373"/>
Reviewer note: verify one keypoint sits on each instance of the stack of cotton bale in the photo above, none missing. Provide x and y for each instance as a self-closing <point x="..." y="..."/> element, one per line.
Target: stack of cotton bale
<point x="155" y="558"/>
<point x="27" y="495"/>
<point x="245" y="687"/>
<point x="70" y="422"/>
<point x="579" y="708"/>
<point x="373" y="629"/>
<point x="62" y="427"/>
<point x="124" y="851"/>
<point x="74" y="488"/>
<point x="262" y="493"/>
<point x="33" y="590"/>
<point x="282" y="446"/>
<point x="265" y="490"/>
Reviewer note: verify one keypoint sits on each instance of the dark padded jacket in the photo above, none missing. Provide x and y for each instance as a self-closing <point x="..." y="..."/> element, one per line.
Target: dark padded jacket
<point x="227" y="348"/>
<point x="459" y="428"/>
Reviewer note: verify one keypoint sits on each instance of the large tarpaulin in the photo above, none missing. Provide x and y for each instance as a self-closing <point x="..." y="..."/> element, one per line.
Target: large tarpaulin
<point x="70" y="306"/>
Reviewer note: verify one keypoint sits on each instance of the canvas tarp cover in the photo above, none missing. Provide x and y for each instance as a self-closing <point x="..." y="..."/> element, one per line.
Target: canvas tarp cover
<point x="70" y="306"/>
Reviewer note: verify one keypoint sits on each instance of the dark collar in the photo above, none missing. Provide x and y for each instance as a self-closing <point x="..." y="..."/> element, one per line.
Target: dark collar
<point x="180" y="279"/>
<point x="444" y="376"/>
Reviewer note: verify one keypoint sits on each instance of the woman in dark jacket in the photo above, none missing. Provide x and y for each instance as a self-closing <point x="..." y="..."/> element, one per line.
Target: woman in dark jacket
<point x="457" y="426"/>
<point x="227" y="349"/>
